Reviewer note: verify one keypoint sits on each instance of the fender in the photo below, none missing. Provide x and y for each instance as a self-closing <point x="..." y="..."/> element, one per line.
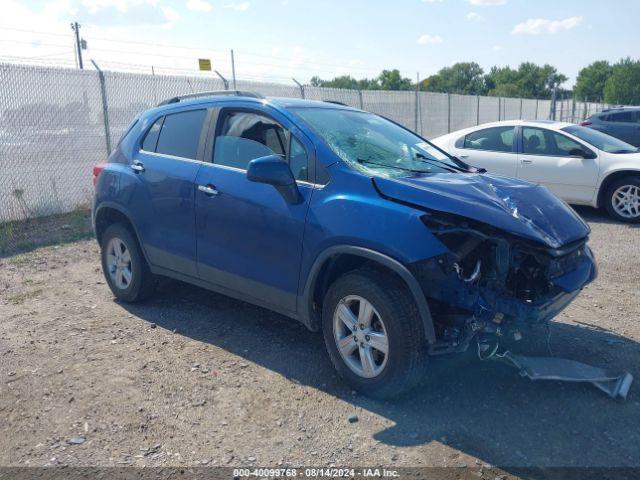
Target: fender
<point x="606" y="175"/>
<point x="118" y="207"/>
<point x="306" y="300"/>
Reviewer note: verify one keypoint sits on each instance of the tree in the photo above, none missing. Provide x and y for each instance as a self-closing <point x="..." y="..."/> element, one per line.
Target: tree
<point x="465" y="78"/>
<point x="392" y="80"/>
<point x="528" y="81"/>
<point x="623" y="86"/>
<point x="387" y="80"/>
<point x="591" y="80"/>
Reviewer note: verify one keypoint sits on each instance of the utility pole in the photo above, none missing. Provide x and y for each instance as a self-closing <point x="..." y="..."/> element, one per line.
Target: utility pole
<point x="75" y="26"/>
<point x="233" y="69"/>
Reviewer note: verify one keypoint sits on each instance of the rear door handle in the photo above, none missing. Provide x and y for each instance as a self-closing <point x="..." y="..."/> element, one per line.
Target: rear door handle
<point x="137" y="166"/>
<point x="526" y="160"/>
<point x="208" y="190"/>
<point x="464" y="156"/>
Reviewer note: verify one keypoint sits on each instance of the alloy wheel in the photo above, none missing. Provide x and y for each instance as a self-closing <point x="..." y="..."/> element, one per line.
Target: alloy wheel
<point x="118" y="262"/>
<point x="360" y="336"/>
<point x="626" y="201"/>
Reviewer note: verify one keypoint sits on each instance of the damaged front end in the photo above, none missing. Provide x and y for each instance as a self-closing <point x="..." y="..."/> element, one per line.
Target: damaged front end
<point x="491" y="284"/>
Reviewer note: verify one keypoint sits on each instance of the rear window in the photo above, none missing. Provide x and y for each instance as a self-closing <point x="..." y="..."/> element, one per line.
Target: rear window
<point x="179" y="134"/>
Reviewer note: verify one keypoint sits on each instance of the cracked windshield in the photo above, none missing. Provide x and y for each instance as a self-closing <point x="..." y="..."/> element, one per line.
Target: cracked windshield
<point x="371" y="143"/>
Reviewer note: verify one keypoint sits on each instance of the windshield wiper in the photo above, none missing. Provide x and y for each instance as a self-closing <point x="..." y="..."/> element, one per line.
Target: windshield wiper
<point x="624" y="150"/>
<point x="369" y="162"/>
<point x="425" y="159"/>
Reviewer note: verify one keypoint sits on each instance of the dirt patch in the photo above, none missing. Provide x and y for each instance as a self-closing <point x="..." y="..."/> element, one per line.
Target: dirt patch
<point x="194" y="378"/>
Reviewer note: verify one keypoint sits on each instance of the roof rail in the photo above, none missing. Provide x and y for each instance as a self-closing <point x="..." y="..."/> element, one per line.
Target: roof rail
<point x="336" y="102"/>
<point x="235" y="93"/>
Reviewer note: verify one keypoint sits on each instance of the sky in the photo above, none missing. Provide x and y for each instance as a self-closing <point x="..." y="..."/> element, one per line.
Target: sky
<point x="275" y="40"/>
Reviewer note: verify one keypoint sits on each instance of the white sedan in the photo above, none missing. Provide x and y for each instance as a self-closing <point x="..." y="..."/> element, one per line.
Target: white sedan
<point x="580" y="165"/>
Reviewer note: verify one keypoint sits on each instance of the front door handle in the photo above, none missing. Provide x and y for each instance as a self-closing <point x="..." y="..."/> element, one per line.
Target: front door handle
<point x="209" y="190"/>
<point x="137" y="166"/>
<point x="464" y="156"/>
<point x="526" y="160"/>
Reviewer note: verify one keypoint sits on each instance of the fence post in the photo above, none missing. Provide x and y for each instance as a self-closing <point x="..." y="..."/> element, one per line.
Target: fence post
<point x="477" y="109"/>
<point x="299" y="86"/>
<point x="416" y="105"/>
<point x="360" y="99"/>
<point x="105" y="110"/>
<point x="573" y="109"/>
<point x="520" y="108"/>
<point x="499" y="112"/>
<point x="448" y="113"/>
<point x="536" y="117"/>
<point x="584" y="110"/>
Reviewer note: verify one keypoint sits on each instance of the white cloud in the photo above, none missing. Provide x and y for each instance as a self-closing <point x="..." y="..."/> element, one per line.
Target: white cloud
<point x="240" y="7"/>
<point x="199" y="6"/>
<point x="473" y="17"/>
<point x="537" y="26"/>
<point x="427" y="39"/>
<point x="487" y="3"/>
<point x="121" y="5"/>
<point x="170" y="14"/>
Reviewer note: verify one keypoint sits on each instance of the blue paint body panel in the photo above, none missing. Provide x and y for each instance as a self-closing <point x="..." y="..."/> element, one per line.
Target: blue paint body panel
<point x="249" y="242"/>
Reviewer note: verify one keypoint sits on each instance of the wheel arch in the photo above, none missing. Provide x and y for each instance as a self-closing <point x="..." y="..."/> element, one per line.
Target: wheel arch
<point x="610" y="178"/>
<point x="337" y="260"/>
<point x="107" y="214"/>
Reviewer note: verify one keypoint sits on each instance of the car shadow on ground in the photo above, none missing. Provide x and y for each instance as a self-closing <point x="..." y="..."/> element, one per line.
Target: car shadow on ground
<point x="483" y="409"/>
<point x="599" y="215"/>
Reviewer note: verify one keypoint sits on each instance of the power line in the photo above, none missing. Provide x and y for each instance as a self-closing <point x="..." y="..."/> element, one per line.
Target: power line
<point x="195" y="49"/>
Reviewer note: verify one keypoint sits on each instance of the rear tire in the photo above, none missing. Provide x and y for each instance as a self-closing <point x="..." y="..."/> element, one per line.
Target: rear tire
<point x="124" y="265"/>
<point x="622" y="199"/>
<point x="394" y="316"/>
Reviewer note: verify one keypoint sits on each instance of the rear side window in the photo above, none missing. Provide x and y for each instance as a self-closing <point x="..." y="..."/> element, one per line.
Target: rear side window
<point x="622" y="117"/>
<point x="497" y="139"/>
<point x="180" y="134"/>
<point x="151" y="138"/>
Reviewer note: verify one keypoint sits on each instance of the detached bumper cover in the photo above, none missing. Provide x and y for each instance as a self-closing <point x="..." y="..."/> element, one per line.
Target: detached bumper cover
<point x="562" y="369"/>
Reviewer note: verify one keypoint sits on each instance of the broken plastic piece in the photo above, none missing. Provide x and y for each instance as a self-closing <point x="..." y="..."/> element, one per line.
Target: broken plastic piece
<point x="549" y="368"/>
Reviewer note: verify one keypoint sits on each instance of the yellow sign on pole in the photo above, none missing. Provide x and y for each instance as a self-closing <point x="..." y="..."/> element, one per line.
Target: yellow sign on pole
<point x="205" y="64"/>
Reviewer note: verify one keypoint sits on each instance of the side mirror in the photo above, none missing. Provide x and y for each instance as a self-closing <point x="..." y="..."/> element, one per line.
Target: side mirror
<point x="578" y="152"/>
<point x="273" y="170"/>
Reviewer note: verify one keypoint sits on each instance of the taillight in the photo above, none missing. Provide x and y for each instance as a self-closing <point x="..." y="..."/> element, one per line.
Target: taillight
<point x="585" y="123"/>
<point x="96" y="171"/>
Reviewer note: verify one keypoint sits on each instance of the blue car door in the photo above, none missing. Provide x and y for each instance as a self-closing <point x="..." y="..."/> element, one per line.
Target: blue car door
<point x="163" y="207"/>
<point x="249" y="238"/>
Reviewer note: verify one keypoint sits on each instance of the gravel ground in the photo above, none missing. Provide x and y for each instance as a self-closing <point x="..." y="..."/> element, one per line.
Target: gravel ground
<point x="191" y="378"/>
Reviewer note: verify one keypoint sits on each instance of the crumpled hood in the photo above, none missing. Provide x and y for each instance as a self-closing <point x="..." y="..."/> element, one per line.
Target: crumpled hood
<point x="515" y="206"/>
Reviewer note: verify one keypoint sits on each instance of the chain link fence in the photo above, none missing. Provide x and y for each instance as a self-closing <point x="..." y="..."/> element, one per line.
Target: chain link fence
<point x="57" y="123"/>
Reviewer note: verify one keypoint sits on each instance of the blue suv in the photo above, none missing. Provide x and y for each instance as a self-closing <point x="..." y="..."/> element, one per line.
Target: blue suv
<point x="338" y="218"/>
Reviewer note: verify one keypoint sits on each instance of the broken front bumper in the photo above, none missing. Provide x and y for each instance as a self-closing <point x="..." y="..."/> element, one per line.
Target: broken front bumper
<point x="498" y="299"/>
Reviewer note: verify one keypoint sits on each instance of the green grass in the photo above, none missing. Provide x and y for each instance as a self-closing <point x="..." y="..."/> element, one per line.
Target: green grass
<point x="20" y="298"/>
<point x="20" y="260"/>
<point x="27" y="235"/>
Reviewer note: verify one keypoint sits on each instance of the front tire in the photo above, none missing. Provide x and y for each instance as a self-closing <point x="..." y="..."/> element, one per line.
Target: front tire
<point x="622" y="200"/>
<point x="374" y="334"/>
<point x="124" y="265"/>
